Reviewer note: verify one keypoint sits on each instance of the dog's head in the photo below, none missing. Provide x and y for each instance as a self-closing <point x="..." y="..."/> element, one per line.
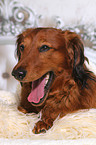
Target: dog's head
<point x="44" y="54"/>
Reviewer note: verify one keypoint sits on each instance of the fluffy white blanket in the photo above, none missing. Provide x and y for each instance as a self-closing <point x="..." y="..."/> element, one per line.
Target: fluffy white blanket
<point x="16" y="127"/>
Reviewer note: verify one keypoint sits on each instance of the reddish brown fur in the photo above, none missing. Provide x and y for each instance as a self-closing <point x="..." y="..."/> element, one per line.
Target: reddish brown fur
<point x="66" y="93"/>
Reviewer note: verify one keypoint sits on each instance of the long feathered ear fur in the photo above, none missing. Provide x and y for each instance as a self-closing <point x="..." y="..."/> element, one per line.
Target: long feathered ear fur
<point x="76" y="54"/>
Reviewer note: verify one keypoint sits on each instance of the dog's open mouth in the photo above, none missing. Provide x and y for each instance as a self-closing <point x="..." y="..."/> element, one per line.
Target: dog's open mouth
<point x="40" y="89"/>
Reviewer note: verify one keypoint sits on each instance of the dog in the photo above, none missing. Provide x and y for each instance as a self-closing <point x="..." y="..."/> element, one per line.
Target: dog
<point x="53" y="75"/>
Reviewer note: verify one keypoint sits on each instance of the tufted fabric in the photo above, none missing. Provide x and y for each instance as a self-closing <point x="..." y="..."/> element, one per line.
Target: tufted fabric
<point x="7" y="61"/>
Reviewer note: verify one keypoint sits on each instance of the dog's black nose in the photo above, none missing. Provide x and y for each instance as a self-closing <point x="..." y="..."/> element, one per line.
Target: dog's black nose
<point x="19" y="73"/>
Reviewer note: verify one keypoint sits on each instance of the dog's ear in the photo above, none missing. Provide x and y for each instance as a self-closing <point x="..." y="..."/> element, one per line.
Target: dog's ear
<point x="75" y="50"/>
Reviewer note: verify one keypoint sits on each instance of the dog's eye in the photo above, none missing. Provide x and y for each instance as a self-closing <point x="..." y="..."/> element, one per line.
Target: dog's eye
<point x="44" y="48"/>
<point x="22" y="47"/>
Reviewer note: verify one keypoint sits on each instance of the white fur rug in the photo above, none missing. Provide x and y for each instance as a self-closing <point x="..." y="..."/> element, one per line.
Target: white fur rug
<point x="16" y="127"/>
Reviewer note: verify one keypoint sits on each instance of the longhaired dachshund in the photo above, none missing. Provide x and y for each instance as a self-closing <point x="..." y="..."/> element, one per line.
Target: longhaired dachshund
<point x="53" y="75"/>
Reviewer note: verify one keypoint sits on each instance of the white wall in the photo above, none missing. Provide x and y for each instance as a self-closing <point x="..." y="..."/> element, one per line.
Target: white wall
<point x="71" y="11"/>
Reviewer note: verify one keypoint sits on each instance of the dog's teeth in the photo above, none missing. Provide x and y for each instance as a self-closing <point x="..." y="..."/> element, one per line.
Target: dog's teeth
<point x="47" y="78"/>
<point x="46" y="81"/>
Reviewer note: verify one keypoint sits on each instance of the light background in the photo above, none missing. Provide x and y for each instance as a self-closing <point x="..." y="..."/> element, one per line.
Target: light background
<point x="70" y="11"/>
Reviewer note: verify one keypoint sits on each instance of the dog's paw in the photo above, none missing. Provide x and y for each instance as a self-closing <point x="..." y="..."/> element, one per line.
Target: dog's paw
<point x="21" y="109"/>
<point x="41" y="127"/>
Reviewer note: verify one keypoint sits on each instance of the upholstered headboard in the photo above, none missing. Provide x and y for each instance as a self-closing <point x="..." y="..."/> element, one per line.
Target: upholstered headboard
<point x="14" y="18"/>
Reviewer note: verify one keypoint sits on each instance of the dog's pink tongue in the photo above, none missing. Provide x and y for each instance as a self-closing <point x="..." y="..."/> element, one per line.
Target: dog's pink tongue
<point x="37" y="91"/>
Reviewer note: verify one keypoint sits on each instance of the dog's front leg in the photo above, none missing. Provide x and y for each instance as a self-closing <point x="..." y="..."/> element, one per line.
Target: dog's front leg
<point x="49" y="114"/>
